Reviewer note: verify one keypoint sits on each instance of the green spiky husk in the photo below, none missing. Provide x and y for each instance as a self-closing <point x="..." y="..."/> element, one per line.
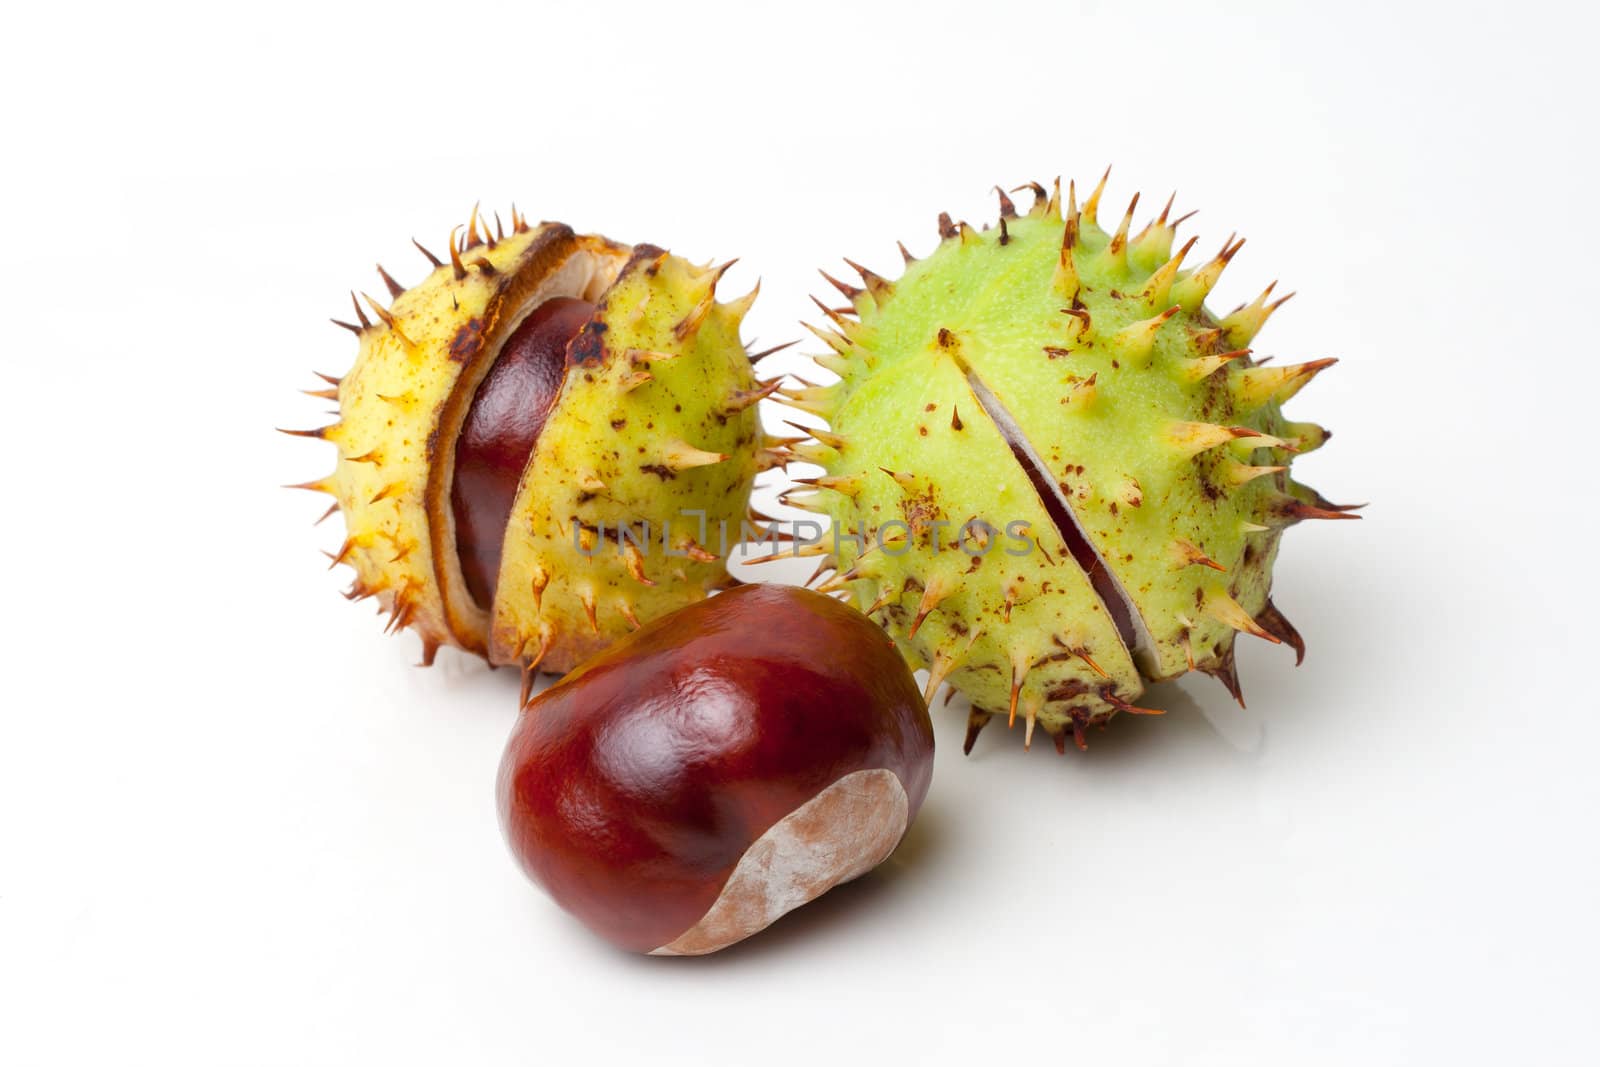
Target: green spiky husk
<point x="1154" y="426"/>
<point x="655" y="418"/>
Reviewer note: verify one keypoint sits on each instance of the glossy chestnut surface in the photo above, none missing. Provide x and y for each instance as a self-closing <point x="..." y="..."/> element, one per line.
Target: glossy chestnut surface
<point x="502" y="426"/>
<point x="631" y="789"/>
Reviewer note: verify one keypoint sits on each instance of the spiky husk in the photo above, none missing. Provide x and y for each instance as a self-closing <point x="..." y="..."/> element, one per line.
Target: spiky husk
<point x="654" y="420"/>
<point x="1092" y="353"/>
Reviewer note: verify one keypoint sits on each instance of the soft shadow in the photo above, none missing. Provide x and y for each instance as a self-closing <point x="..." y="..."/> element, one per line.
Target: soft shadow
<point x="1207" y="728"/>
<point x="468" y="681"/>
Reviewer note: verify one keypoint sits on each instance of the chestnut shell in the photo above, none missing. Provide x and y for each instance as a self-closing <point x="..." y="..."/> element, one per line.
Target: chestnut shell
<point x="631" y="789"/>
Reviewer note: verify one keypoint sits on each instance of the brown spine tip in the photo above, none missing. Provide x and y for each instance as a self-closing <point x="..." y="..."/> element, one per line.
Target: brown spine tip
<point x="1226" y="673"/>
<point x="1083" y="654"/>
<point x="1132" y="709"/>
<point x="1272" y="620"/>
<point x="1190" y="554"/>
<point x="756" y="357"/>
<point x="320" y="433"/>
<point x="404" y="612"/>
<point x="976" y="721"/>
<point x="904" y="479"/>
<point x="343" y="554"/>
<point x="1296" y="510"/>
<point x="718" y="272"/>
<point x="833" y="316"/>
<point x="433" y="259"/>
<point x="878" y="286"/>
<point x="1091" y="206"/>
<point x="394" y="287"/>
<point x="1119" y="240"/>
<point x="383" y="313"/>
<point x="824" y="566"/>
<point x="690" y="323"/>
<point x="1166" y="209"/>
<point x="931" y="595"/>
<point x="849" y="291"/>
<point x="386" y="492"/>
<point x="387" y="318"/>
<point x="1038" y="191"/>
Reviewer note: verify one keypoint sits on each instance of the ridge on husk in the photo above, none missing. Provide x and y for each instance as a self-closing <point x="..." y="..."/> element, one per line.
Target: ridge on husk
<point x="1051" y="376"/>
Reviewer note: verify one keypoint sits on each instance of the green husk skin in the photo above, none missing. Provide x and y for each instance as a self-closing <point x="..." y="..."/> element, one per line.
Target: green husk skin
<point x="1163" y="436"/>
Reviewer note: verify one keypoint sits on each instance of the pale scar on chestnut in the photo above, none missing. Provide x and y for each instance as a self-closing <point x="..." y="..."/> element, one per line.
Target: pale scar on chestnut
<point x="837" y="836"/>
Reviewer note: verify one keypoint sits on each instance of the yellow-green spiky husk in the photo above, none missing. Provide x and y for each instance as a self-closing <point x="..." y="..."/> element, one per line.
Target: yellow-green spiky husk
<point x="655" y="424"/>
<point x="1048" y="339"/>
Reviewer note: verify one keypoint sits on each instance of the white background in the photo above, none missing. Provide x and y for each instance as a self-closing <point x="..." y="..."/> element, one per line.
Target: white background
<point x="236" y="825"/>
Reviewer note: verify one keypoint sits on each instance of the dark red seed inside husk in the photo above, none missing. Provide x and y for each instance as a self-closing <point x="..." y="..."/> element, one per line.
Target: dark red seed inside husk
<point x="507" y="414"/>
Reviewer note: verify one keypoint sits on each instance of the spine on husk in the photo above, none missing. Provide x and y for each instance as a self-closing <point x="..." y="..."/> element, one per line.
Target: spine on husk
<point x="648" y="454"/>
<point x="1052" y="377"/>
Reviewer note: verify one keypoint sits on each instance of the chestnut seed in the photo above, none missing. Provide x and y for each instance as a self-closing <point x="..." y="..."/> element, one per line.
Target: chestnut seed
<point x="719" y="767"/>
<point x="503" y="424"/>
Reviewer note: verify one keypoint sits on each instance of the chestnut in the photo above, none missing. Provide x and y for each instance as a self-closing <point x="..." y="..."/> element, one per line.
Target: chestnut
<point x="503" y="424"/>
<point x="719" y="767"/>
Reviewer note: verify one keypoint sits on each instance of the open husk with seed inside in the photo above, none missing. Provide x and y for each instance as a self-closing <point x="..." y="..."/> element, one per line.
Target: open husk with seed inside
<point x="654" y="429"/>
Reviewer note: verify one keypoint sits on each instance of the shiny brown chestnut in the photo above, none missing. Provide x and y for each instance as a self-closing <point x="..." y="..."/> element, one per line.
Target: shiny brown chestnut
<point x="720" y="767"/>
